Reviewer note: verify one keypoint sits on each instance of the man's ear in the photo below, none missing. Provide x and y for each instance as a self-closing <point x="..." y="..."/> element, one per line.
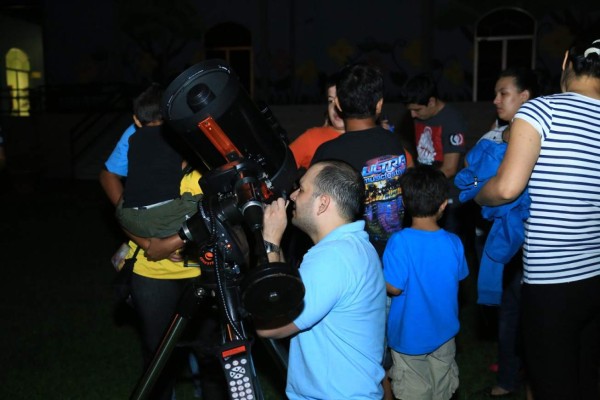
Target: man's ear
<point x="431" y="102"/>
<point x="564" y="65"/>
<point x="324" y="201"/>
<point x="378" y="107"/>
<point x="337" y="104"/>
<point x="443" y="206"/>
<point x="137" y="122"/>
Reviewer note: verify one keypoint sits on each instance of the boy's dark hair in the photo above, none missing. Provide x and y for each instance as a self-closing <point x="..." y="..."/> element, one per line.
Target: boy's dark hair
<point x="146" y="107"/>
<point x="424" y="189"/>
<point x="344" y="184"/>
<point x="419" y="89"/>
<point x="359" y="88"/>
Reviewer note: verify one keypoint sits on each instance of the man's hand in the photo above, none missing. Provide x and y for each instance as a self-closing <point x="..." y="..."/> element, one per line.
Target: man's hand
<point x="275" y="221"/>
<point x="161" y="248"/>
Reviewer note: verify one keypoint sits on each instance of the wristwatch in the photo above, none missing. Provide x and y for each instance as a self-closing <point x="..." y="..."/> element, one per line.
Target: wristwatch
<point x="271" y="247"/>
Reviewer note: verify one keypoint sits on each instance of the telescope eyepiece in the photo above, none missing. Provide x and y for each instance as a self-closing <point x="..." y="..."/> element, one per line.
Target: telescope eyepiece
<point x="199" y="97"/>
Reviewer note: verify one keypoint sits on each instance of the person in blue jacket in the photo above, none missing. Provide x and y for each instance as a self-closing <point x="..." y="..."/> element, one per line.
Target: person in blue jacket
<point x="498" y="285"/>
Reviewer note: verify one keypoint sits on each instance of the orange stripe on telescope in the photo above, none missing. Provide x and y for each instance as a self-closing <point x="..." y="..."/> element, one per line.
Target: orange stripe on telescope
<point x="219" y="139"/>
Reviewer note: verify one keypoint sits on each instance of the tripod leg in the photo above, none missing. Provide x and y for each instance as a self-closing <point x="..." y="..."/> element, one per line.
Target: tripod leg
<point x="161" y="357"/>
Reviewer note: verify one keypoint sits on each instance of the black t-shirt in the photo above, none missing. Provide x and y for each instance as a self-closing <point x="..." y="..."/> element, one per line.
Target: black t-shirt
<point x="379" y="156"/>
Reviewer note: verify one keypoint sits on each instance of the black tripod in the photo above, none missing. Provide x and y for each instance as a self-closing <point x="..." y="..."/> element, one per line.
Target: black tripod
<point x="234" y="352"/>
<point x="221" y="281"/>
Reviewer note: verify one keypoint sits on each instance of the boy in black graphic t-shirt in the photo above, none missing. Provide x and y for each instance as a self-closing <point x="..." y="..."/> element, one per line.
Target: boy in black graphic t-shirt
<point x="374" y="151"/>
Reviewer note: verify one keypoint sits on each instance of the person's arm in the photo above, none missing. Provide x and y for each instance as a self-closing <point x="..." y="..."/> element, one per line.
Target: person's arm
<point x="409" y="159"/>
<point x="516" y="167"/>
<point x="454" y="127"/>
<point x="450" y="164"/>
<point x="161" y="248"/>
<point x="394" y="265"/>
<point x="112" y="185"/>
<point x="279" y="333"/>
<point x="155" y="248"/>
<point x="274" y="224"/>
<point x="392" y="290"/>
<point x="115" y="168"/>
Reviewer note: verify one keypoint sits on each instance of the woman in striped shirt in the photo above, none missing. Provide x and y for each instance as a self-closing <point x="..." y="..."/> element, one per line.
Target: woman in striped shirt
<point x="554" y="151"/>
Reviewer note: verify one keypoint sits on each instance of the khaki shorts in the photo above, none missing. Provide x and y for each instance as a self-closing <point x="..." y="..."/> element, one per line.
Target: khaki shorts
<point x="432" y="376"/>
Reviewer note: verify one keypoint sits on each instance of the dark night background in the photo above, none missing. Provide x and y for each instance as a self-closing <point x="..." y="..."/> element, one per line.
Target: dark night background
<point x="68" y="72"/>
<point x="80" y="63"/>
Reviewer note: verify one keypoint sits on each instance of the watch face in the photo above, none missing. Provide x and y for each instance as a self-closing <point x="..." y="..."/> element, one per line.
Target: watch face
<point x="271" y="247"/>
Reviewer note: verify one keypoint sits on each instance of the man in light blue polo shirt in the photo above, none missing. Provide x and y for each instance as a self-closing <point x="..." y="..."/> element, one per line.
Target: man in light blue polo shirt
<point x="337" y="347"/>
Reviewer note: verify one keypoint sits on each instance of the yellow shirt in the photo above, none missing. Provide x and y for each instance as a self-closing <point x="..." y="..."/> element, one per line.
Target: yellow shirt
<point x="167" y="269"/>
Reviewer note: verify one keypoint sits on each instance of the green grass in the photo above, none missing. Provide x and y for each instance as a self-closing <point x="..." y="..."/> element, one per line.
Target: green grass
<point x="61" y="336"/>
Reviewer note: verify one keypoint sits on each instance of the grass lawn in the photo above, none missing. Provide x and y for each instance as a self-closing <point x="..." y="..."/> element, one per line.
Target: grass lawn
<point x="62" y="335"/>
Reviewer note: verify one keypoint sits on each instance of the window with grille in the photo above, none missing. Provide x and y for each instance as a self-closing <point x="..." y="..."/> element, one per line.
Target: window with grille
<point x="17" y="79"/>
<point x="504" y="38"/>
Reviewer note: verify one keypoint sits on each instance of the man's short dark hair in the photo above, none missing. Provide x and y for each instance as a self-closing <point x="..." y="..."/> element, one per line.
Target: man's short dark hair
<point x="344" y="184"/>
<point x="424" y="189"/>
<point x="419" y="89"/>
<point x="146" y="107"/>
<point x="359" y="89"/>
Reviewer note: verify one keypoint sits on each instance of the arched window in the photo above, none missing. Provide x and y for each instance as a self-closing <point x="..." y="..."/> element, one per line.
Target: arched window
<point x="503" y="38"/>
<point x="17" y="79"/>
<point x="233" y="43"/>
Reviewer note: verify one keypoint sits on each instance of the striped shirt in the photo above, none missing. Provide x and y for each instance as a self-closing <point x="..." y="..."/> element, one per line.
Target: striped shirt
<point x="562" y="234"/>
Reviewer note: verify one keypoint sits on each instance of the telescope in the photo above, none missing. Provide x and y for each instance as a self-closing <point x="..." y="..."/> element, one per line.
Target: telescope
<point x="245" y="162"/>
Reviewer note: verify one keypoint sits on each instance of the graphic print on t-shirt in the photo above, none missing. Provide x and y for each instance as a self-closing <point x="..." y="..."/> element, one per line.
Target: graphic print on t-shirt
<point x="383" y="203"/>
<point x="426" y="148"/>
<point x="429" y="143"/>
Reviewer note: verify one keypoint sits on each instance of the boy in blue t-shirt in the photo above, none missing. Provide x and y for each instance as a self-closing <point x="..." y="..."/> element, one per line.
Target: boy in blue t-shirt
<point x="423" y="265"/>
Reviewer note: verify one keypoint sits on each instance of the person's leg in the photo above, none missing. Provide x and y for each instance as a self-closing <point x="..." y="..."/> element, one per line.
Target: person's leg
<point x="549" y="343"/>
<point x="589" y="351"/>
<point x="387" y="387"/>
<point x="411" y="377"/>
<point x="590" y="359"/>
<point x="444" y="370"/>
<point x="559" y="325"/>
<point x="155" y="302"/>
<point x="509" y="362"/>
<point x="387" y="359"/>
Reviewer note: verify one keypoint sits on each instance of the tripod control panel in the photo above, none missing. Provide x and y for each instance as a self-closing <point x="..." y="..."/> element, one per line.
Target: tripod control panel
<point x="237" y="365"/>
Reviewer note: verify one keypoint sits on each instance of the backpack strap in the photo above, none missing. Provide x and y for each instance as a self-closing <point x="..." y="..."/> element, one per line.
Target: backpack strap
<point x="135" y="253"/>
